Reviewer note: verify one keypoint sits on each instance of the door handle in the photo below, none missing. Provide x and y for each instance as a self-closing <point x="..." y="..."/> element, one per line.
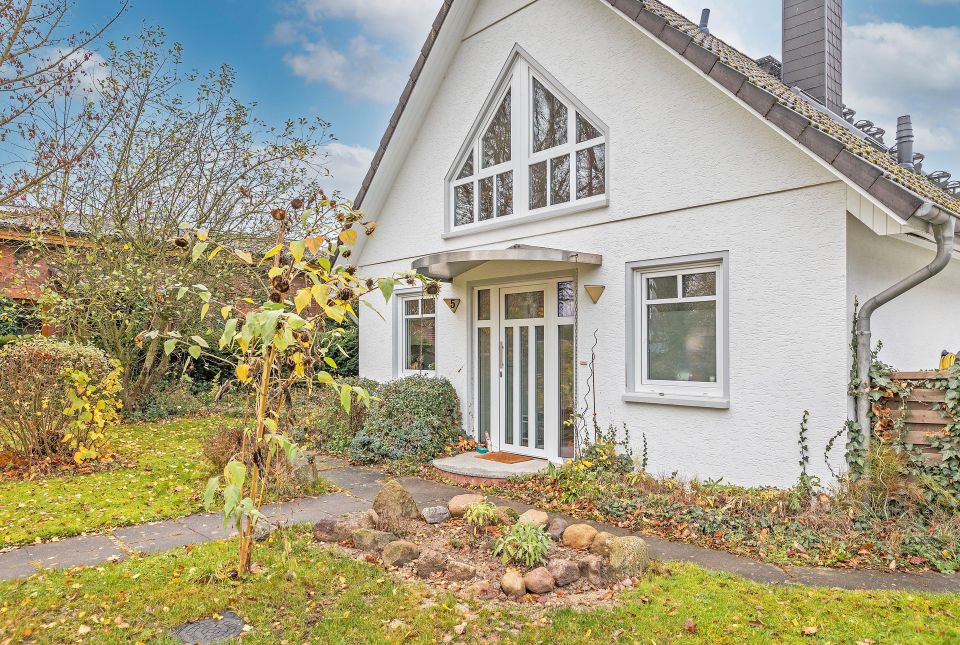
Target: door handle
<point x="501" y="358"/>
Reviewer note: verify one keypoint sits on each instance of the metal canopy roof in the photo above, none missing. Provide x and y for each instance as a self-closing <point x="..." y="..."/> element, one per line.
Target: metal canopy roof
<point x="447" y="265"/>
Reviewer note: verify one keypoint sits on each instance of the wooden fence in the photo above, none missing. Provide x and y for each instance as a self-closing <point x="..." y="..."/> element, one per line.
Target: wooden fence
<point x="922" y="419"/>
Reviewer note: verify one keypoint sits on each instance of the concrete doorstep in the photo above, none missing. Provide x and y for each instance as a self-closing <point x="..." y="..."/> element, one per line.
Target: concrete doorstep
<point x="360" y="485"/>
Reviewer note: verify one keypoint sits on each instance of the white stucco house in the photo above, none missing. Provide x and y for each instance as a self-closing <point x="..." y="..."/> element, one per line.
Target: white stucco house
<point x="631" y="218"/>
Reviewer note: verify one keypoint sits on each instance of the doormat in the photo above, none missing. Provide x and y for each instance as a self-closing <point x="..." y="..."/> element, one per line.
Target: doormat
<point x="504" y="458"/>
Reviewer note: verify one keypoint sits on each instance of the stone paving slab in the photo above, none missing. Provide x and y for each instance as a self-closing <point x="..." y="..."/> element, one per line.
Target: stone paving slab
<point x="360" y="486"/>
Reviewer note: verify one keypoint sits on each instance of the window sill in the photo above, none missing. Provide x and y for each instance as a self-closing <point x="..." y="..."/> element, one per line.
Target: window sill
<point x="515" y="220"/>
<point x="716" y="402"/>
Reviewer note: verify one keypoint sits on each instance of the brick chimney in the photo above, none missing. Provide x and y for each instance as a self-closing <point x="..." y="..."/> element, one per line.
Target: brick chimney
<point x="813" y="49"/>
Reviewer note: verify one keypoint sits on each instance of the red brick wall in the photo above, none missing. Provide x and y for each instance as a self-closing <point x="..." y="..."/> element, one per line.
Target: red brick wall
<point x="21" y="273"/>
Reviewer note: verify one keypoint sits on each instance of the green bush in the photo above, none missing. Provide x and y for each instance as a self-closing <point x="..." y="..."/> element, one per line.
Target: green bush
<point x="524" y="543"/>
<point x="322" y="422"/>
<point x="35" y="376"/>
<point x="414" y="419"/>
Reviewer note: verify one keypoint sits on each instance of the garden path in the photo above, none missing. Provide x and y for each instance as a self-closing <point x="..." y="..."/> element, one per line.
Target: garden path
<point x="358" y="488"/>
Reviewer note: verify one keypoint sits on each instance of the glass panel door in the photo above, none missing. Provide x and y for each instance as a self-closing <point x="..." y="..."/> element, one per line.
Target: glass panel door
<point x="523" y="382"/>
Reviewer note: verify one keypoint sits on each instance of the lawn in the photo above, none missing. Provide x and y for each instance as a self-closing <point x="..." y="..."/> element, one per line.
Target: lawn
<point x="307" y="594"/>
<point x="160" y="474"/>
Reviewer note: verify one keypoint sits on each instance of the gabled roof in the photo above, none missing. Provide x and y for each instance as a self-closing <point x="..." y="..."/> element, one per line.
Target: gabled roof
<point x="822" y="133"/>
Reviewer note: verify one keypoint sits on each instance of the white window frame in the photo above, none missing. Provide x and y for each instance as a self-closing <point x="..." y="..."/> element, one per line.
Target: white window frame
<point x="400" y="332"/>
<point x="641" y="389"/>
<point x="516" y="77"/>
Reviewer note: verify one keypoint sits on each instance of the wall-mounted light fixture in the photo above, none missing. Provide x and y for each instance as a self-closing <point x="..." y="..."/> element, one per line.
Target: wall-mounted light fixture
<point x="594" y="291"/>
<point x="453" y="303"/>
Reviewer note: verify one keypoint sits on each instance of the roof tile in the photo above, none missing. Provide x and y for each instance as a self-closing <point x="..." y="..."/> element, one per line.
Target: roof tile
<point x="821" y="144"/>
<point x="862" y="173"/>
<point x="702" y="58"/>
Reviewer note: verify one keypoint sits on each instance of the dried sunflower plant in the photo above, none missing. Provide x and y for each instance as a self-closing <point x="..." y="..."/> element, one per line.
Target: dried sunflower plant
<point x="281" y="341"/>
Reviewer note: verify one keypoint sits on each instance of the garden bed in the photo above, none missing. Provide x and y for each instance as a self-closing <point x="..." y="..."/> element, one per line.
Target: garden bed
<point x="448" y="547"/>
<point x="769" y="524"/>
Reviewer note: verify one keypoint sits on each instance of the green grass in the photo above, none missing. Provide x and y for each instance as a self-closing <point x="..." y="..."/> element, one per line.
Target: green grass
<point x="307" y="594"/>
<point x="163" y="476"/>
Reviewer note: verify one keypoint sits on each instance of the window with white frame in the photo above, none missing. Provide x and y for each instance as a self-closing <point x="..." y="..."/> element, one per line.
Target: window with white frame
<point x="536" y="150"/>
<point x="417" y="334"/>
<point x="679" y="329"/>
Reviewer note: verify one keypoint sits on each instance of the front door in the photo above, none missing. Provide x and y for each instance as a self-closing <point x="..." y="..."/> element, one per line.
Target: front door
<point x="524" y="367"/>
<point x="523" y="329"/>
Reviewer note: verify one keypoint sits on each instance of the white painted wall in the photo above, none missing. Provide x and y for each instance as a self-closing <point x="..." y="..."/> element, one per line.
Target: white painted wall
<point x="691" y="172"/>
<point x="916" y="327"/>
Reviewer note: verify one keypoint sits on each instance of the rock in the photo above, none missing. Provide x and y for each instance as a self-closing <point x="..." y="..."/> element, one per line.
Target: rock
<point x="460" y="571"/>
<point x="579" y="536"/>
<point x="431" y="562"/>
<point x="564" y="572"/>
<point x="506" y="516"/>
<point x="370" y="519"/>
<point x="556" y="528"/>
<point x="629" y="557"/>
<point x="458" y="505"/>
<point x="539" y="581"/>
<point x="370" y="540"/>
<point x="399" y="553"/>
<point x="435" y="514"/>
<point x="326" y="531"/>
<point x="512" y="584"/>
<point x="394" y="502"/>
<point x="601" y="544"/>
<point x="594" y="569"/>
<point x="533" y="516"/>
<point x="480" y="589"/>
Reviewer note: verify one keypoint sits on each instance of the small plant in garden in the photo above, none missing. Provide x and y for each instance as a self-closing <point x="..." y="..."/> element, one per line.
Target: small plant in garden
<point x="280" y="342"/>
<point x="524" y="543"/>
<point x="479" y="516"/>
<point x="608" y="452"/>
<point x="807" y="483"/>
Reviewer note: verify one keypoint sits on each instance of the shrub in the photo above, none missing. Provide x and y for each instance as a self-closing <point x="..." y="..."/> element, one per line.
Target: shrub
<point x="56" y="399"/>
<point x="324" y="425"/>
<point x="415" y="419"/>
<point x="524" y="543"/>
<point x="223" y="446"/>
<point x="603" y="454"/>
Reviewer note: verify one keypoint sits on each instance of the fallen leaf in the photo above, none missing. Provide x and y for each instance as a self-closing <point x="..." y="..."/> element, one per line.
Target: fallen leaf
<point x="690" y="626"/>
<point x="808" y="631"/>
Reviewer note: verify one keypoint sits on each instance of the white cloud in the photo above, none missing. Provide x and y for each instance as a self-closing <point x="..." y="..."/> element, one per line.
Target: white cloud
<point x="402" y="21"/>
<point x="347" y="165"/>
<point x="374" y="64"/>
<point x="892" y="69"/>
<point x="363" y="71"/>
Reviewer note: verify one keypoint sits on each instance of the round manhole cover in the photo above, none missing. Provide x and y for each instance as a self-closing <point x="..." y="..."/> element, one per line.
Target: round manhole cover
<point x="210" y="630"/>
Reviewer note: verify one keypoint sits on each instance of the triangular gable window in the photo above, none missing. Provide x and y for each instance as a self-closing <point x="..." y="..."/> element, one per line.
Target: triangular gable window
<point x="539" y="151"/>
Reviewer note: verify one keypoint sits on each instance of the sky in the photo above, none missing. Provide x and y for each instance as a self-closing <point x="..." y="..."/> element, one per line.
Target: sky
<point x="348" y="60"/>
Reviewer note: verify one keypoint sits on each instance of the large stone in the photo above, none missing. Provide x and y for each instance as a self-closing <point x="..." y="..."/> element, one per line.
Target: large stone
<point x="458" y="504"/>
<point x="534" y="516"/>
<point x="601" y="544"/>
<point x="564" y="572"/>
<point x="481" y="589"/>
<point x="394" y="502"/>
<point x="579" y="536"/>
<point x="370" y="540"/>
<point x="459" y="571"/>
<point x="539" y="581"/>
<point x="556" y="528"/>
<point x="399" y="553"/>
<point x="435" y="514"/>
<point x="512" y="584"/>
<point x="335" y="530"/>
<point x="506" y="516"/>
<point x="594" y="569"/>
<point x="629" y="556"/>
<point x="430" y="563"/>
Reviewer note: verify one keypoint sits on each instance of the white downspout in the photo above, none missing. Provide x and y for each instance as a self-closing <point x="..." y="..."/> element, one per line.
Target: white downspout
<point x="944" y="230"/>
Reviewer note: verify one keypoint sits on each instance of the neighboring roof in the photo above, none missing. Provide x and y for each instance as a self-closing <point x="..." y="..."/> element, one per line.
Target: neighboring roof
<point x="823" y="134"/>
<point x="447" y="265"/>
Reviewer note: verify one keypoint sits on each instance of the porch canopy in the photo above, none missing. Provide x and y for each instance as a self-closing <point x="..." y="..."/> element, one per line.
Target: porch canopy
<point x="447" y="265"/>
